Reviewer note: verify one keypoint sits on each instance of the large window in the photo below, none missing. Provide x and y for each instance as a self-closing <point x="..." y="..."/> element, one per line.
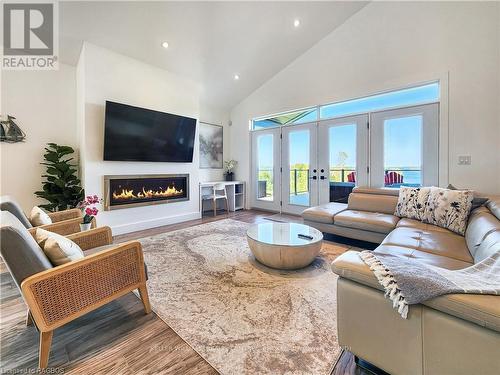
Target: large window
<point x="400" y="98"/>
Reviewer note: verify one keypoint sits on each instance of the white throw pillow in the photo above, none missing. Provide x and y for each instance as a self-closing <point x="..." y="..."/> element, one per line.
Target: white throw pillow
<point x="449" y="209"/>
<point x="412" y="202"/>
<point x="39" y="217"/>
<point x="58" y="248"/>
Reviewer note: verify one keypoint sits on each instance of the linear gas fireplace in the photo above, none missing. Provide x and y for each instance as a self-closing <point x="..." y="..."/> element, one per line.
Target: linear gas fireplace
<point x="142" y="190"/>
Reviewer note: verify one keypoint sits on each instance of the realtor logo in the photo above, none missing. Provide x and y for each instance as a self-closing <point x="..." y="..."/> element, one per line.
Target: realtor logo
<point x="29" y="36"/>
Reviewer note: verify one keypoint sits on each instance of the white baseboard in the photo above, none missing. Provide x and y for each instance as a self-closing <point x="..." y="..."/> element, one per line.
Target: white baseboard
<point x="153" y="223"/>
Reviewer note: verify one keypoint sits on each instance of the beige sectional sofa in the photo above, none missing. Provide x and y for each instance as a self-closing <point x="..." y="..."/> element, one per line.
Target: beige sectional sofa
<point x="452" y="334"/>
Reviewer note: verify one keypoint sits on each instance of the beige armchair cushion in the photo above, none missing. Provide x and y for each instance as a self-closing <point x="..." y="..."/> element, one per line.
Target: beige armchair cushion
<point x="39" y="217"/>
<point x="363" y="220"/>
<point x="57" y="248"/>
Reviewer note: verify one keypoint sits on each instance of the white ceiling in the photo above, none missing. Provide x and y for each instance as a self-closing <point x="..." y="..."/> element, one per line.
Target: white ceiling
<point x="209" y="42"/>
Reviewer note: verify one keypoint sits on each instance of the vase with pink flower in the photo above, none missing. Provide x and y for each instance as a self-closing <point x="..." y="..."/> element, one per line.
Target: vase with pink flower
<point x="89" y="210"/>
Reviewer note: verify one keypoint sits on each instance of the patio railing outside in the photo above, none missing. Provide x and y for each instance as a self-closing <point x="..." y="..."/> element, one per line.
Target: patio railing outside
<point x="299" y="179"/>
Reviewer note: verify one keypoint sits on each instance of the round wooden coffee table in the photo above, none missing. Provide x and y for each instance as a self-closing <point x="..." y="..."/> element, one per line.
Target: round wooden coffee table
<point x="278" y="245"/>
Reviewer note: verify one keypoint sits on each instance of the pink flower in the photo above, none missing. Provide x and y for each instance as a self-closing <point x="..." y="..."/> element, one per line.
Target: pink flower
<point x="95" y="211"/>
<point x="88" y="211"/>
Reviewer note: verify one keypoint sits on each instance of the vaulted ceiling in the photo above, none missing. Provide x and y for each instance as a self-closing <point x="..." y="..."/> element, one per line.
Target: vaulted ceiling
<point x="208" y="42"/>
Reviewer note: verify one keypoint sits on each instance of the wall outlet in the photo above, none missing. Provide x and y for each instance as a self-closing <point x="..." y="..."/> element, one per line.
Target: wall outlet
<point x="464" y="160"/>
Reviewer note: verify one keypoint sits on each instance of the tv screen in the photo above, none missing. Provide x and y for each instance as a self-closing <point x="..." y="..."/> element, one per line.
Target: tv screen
<point x="138" y="134"/>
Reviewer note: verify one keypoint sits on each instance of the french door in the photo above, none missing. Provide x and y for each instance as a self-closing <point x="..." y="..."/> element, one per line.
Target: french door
<point x="314" y="163"/>
<point x="404" y="146"/>
<point x="266" y="169"/>
<point x="299" y="166"/>
<point x="299" y="174"/>
<point x="343" y="157"/>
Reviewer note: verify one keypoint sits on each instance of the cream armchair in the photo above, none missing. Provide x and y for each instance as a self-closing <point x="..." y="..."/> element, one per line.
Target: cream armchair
<point x="58" y="295"/>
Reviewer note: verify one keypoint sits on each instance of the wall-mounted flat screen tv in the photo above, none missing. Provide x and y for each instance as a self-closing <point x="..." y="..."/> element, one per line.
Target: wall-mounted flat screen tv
<point x="138" y="134"/>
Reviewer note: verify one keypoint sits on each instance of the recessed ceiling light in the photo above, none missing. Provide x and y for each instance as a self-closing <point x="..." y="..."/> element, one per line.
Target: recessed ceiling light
<point x="296" y="22"/>
<point x="236" y="77"/>
<point x="164" y="44"/>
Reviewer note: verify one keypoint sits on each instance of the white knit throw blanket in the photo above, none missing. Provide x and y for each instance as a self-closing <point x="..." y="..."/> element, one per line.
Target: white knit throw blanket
<point x="407" y="281"/>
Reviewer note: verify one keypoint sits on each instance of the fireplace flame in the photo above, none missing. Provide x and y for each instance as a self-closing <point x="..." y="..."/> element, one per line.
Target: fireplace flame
<point x="126" y="194"/>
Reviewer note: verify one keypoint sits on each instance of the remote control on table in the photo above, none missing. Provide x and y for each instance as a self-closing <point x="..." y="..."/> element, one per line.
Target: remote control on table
<point x="305" y="236"/>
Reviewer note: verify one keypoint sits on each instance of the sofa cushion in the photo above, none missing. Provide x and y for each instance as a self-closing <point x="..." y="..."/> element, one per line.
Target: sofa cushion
<point x="323" y="213"/>
<point x="352" y="267"/>
<point x="377" y="191"/>
<point x="480" y="309"/>
<point x="446" y="244"/>
<point x="489" y="246"/>
<point x="481" y="223"/>
<point x="449" y="209"/>
<point x="494" y="206"/>
<point x="385" y="204"/>
<point x="370" y="221"/>
<point x="416" y="224"/>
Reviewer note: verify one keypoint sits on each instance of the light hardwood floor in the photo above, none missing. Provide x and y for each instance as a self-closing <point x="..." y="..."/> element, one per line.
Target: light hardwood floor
<point x="117" y="338"/>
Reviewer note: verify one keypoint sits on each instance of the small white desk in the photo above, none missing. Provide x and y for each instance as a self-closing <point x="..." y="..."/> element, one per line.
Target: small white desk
<point x="235" y="194"/>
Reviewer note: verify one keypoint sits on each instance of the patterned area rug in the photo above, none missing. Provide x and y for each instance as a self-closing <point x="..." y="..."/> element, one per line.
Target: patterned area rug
<point x="240" y="316"/>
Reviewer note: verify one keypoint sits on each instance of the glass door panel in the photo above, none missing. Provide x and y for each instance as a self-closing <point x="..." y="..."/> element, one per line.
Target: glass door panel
<point x="265" y="167"/>
<point x="342" y="157"/>
<point x="403" y="151"/>
<point x="404" y="147"/>
<point x="299" y="168"/>
<point x="266" y="163"/>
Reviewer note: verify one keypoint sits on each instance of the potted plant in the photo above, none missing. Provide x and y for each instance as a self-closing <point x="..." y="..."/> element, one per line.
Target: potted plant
<point x="90" y="211"/>
<point x="61" y="188"/>
<point x="229" y="166"/>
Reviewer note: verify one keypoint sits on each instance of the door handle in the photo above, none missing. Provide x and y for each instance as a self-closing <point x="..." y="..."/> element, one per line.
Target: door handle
<point x="313" y="178"/>
<point x="322" y="177"/>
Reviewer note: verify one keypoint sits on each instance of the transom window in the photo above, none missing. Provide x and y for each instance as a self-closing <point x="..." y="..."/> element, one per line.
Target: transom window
<point x="422" y="94"/>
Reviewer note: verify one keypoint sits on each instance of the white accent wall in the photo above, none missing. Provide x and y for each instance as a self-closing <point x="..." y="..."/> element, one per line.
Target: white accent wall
<point x="389" y="45"/>
<point x="105" y="75"/>
<point x="43" y="103"/>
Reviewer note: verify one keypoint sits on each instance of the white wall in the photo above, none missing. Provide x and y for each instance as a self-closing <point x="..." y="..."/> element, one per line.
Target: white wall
<point x="106" y="75"/>
<point x="216" y="116"/>
<point x="43" y="103"/>
<point x="389" y="45"/>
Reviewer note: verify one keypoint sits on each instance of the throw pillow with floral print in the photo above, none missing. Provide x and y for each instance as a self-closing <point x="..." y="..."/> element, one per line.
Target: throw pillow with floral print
<point x="449" y="209"/>
<point x="412" y="202"/>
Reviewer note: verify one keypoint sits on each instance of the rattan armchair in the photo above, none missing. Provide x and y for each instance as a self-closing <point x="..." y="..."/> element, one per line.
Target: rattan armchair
<point x="63" y="222"/>
<point x="61" y="294"/>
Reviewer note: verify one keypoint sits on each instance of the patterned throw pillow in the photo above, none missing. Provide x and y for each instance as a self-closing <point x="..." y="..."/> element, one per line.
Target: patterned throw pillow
<point x="412" y="202"/>
<point x="449" y="209"/>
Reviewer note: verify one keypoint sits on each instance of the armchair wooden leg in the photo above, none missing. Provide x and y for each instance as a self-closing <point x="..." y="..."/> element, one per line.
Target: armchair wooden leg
<point x="143" y="292"/>
<point x="45" y="343"/>
<point x="29" y="318"/>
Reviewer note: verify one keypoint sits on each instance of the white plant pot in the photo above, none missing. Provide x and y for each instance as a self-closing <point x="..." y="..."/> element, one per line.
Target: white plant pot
<point x="84" y="227"/>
